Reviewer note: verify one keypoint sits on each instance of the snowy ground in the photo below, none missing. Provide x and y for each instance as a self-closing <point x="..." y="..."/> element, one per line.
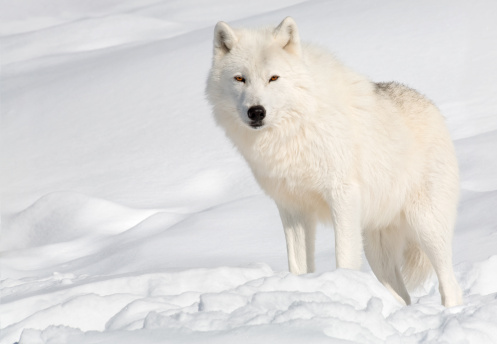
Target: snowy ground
<point x="127" y="217"/>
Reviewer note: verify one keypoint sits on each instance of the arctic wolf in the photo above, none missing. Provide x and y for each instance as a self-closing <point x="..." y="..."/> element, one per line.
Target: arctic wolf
<point x="328" y="145"/>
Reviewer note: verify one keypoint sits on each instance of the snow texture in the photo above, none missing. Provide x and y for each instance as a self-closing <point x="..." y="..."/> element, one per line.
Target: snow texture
<point x="127" y="217"/>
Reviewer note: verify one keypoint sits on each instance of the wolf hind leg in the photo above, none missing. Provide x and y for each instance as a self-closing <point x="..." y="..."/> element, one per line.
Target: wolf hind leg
<point x="300" y="235"/>
<point x="384" y="251"/>
<point x="433" y="229"/>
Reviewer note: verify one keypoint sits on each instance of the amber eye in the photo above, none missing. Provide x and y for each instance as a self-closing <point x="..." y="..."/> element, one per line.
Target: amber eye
<point x="274" y="78"/>
<point x="239" y="78"/>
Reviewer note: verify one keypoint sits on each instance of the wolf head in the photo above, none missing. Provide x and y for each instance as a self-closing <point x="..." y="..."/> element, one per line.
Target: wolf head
<point x="257" y="76"/>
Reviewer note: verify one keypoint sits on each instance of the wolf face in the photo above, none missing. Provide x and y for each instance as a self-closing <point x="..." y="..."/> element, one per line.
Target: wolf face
<point x="256" y="75"/>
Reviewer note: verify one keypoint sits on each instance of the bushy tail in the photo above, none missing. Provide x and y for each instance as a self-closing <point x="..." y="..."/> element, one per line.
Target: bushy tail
<point x="417" y="267"/>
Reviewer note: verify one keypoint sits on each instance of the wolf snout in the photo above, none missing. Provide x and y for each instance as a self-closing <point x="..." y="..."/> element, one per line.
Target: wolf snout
<point x="256" y="114"/>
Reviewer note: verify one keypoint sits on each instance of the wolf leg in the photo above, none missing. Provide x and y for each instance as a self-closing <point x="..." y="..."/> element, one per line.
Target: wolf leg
<point x="346" y="215"/>
<point x="433" y="230"/>
<point x="300" y="234"/>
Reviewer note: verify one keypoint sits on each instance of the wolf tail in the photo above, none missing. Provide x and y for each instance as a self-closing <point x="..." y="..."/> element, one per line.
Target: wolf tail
<point x="416" y="268"/>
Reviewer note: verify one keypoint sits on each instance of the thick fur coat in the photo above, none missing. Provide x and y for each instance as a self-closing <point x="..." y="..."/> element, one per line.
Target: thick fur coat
<point x="328" y="145"/>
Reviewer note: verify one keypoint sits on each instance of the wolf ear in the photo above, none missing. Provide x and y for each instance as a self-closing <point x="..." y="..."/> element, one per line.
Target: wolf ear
<point x="287" y="36"/>
<point x="224" y="38"/>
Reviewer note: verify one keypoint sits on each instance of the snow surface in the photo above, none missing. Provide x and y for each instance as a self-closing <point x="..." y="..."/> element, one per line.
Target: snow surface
<point x="127" y="216"/>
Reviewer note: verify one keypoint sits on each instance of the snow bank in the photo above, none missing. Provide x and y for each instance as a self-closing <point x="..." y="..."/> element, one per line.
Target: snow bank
<point x="254" y="303"/>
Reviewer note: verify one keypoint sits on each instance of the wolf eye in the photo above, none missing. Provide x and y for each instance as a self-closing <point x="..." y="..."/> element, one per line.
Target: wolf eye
<point x="239" y="78"/>
<point x="274" y="78"/>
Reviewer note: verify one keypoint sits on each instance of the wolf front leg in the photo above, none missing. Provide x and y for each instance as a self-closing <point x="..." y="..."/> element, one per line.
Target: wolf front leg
<point x="300" y="234"/>
<point x="345" y="204"/>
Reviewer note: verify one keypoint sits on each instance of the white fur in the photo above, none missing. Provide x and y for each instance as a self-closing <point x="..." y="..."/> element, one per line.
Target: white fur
<point x="375" y="160"/>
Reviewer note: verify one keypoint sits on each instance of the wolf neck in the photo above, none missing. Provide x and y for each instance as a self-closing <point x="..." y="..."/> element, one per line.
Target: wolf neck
<point x="279" y="152"/>
<point x="257" y="145"/>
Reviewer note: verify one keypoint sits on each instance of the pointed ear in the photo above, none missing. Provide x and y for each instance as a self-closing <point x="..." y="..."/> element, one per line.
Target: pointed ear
<point x="287" y="36"/>
<point x="224" y="38"/>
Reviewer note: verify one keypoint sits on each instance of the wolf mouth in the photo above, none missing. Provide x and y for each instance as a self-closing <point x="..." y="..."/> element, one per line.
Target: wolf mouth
<point x="256" y="124"/>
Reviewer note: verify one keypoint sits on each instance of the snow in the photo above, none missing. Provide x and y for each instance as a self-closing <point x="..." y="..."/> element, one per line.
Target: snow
<point x="127" y="216"/>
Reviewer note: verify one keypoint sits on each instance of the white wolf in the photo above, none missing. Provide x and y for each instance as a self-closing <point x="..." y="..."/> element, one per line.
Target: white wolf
<point x="327" y="144"/>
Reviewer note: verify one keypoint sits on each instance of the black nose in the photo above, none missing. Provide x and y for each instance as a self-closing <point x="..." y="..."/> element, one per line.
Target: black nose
<point x="256" y="113"/>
